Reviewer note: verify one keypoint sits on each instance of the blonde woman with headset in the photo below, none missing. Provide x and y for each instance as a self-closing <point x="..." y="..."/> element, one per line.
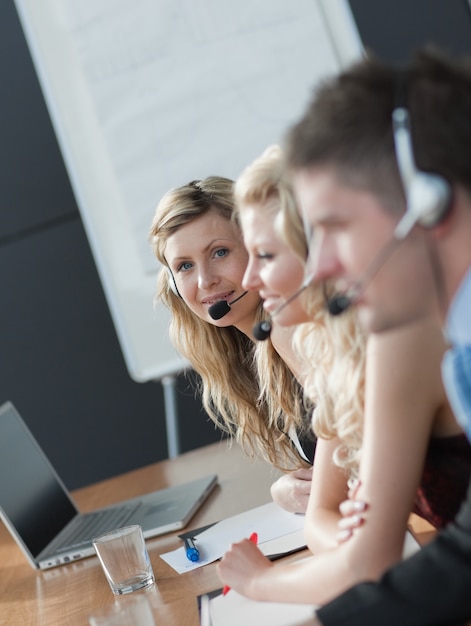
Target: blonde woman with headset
<point x="396" y="433"/>
<point x="251" y="391"/>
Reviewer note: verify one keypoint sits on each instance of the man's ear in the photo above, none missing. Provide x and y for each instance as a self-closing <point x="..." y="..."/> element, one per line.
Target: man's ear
<point x="459" y="200"/>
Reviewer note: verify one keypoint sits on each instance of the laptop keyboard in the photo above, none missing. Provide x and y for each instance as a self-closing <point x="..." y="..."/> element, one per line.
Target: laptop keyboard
<point x="94" y="524"/>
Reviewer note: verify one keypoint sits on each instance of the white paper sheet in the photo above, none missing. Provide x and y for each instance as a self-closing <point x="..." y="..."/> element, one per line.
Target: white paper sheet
<point x="234" y="610"/>
<point x="269" y="521"/>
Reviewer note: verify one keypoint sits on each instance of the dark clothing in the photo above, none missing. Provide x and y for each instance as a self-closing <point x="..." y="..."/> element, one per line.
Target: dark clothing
<point x="308" y="444"/>
<point x="445" y="480"/>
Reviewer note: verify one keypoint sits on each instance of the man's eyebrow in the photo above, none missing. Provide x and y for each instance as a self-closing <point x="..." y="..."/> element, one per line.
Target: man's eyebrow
<point x="328" y="218"/>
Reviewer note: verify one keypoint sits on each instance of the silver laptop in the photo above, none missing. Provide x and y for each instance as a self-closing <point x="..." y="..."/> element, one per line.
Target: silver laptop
<point x="40" y="514"/>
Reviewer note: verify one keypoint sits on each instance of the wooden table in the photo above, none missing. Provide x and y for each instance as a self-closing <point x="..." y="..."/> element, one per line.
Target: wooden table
<point x="67" y="595"/>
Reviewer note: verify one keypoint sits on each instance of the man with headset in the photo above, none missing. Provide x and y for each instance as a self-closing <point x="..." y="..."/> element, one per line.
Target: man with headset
<point x="381" y="164"/>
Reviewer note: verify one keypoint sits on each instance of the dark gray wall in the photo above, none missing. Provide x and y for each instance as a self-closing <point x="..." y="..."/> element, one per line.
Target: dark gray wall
<point x="394" y="28"/>
<point x="60" y="361"/>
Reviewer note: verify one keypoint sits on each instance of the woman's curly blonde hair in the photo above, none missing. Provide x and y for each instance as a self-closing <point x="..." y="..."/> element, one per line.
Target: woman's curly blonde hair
<point x="332" y="349"/>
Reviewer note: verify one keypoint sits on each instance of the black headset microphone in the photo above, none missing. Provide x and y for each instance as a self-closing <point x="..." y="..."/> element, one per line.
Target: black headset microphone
<point x="221" y="308"/>
<point x="428" y="200"/>
<point x="262" y="330"/>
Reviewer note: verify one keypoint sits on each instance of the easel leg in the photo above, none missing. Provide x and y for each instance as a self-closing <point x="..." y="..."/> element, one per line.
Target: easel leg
<point x="171" y="416"/>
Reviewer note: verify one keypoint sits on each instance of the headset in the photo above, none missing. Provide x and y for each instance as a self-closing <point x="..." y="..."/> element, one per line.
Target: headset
<point x="171" y="282"/>
<point x="428" y="196"/>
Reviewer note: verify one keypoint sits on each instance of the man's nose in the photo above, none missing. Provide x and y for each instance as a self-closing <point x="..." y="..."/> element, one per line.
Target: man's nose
<point x="322" y="262"/>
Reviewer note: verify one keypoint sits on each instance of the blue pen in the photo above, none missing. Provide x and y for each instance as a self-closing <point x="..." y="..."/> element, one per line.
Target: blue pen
<point x="192" y="552"/>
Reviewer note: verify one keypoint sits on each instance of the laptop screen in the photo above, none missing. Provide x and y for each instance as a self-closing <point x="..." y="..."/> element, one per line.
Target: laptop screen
<point x="31" y="494"/>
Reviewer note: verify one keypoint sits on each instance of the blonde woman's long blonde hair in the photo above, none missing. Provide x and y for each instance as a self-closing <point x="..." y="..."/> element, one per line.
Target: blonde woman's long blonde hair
<point x="331" y="349"/>
<point x="223" y="357"/>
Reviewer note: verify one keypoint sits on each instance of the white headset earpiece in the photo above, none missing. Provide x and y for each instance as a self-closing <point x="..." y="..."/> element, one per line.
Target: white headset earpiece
<point x="428" y="195"/>
<point x="171" y="281"/>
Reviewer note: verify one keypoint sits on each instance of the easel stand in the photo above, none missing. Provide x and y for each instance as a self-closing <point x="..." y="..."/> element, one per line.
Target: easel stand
<point x="171" y="415"/>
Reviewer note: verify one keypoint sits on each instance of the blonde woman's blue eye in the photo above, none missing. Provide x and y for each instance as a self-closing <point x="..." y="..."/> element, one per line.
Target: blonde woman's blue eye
<point x="221" y="253"/>
<point x="183" y="267"/>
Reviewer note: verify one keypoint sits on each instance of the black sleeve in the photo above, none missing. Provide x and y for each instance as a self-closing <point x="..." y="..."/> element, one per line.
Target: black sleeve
<point x="432" y="588"/>
<point x="308" y="444"/>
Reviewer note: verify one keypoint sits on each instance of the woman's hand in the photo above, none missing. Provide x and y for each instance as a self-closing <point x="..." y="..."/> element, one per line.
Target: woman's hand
<point x="351" y="511"/>
<point x="292" y="490"/>
<point x="243" y="564"/>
